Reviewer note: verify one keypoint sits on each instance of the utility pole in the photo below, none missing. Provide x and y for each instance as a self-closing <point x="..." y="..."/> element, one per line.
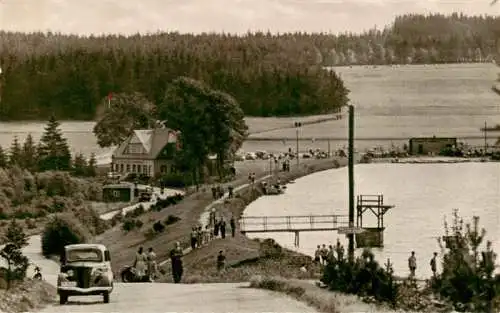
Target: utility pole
<point x="297" y="126"/>
<point x="271" y="166"/>
<point x="329" y="155"/>
<point x="351" y="182"/>
<point x="485" y="138"/>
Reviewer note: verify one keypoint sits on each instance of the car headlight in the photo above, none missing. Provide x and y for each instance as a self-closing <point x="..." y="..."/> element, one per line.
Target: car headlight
<point x="70" y="273"/>
<point x="101" y="270"/>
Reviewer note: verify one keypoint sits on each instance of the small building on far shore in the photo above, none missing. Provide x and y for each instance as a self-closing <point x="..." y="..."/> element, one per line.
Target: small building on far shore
<point x="430" y="145"/>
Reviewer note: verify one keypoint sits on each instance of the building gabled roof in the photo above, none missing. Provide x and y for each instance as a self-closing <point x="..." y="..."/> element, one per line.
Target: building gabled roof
<point x="153" y="141"/>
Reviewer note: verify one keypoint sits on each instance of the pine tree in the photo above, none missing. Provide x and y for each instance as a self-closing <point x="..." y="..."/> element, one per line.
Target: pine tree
<point x="29" y="154"/>
<point x="15" y="157"/>
<point x="53" y="150"/>
<point x="79" y="165"/>
<point x="3" y="158"/>
<point x="92" y="166"/>
<point x="17" y="263"/>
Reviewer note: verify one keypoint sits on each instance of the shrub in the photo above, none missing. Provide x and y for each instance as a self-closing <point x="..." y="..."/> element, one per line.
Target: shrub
<point x="364" y="277"/>
<point x="163" y="203"/>
<point x="171" y="219"/>
<point x="128" y="224"/>
<point x="158" y="227"/>
<point x="138" y="223"/>
<point x="138" y="211"/>
<point x="468" y="278"/>
<point x="60" y="231"/>
<point x="91" y="220"/>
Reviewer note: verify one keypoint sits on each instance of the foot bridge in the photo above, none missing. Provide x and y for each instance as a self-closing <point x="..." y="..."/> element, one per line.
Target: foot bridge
<point x="365" y="236"/>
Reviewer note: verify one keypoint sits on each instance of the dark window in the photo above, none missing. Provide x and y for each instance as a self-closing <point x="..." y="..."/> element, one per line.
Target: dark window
<point x="107" y="256"/>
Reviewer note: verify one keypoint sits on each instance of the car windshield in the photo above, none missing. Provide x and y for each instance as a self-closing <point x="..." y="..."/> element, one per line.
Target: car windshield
<point x="84" y="255"/>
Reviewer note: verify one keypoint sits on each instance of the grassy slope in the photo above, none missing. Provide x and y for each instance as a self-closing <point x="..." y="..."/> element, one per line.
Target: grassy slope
<point x="200" y="264"/>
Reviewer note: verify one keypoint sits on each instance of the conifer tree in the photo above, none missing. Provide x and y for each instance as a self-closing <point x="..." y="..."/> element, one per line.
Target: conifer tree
<point x="79" y="165"/>
<point x="15" y="157"/>
<point x="53" y="150"/>
<point x="3" y="158"/>
<point x="92" y="165"/>
<point x="17" y="263"/>
<point x="29" y="154"/>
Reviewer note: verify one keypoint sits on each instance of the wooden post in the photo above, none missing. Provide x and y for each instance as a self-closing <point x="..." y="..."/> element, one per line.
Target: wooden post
<point x="351" y="182"/>
<point x="485" y="138"/>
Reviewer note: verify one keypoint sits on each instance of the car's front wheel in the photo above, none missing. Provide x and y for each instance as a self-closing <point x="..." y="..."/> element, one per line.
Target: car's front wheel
<point x="105" y="297"/>
<point x="63" y="298"/>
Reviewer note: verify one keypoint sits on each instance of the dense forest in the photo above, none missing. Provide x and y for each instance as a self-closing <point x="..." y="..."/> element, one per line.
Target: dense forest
<point x="269" y="75"/>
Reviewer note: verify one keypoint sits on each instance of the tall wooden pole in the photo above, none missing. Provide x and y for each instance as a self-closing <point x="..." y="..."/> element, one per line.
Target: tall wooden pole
<point x="351" y="182"/>
<point x="485" y="138"/>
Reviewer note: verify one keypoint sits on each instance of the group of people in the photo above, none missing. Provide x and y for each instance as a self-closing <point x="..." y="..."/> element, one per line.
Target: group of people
<point x="145" y="264"/>
<point x="412" y="264"/>
<point x="325" y="256"/>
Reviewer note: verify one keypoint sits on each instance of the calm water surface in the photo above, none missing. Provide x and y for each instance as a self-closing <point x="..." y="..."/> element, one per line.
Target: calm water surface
<point x="422" y="193"/>
<point x="392" y="104"/>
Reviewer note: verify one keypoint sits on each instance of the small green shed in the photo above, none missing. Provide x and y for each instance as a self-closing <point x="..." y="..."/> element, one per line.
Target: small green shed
<point x="118" y="192"/>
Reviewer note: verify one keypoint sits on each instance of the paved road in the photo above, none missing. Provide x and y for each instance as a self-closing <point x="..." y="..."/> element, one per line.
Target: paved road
<point x="199" y="298"/>
<point x="157" y="297"/>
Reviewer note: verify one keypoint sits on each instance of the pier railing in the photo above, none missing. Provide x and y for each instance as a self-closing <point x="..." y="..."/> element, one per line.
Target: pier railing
<point x="292" y="223"/>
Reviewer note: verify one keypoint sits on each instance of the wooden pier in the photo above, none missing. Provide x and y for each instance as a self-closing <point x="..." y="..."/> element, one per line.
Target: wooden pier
<point x="293" y="224"/>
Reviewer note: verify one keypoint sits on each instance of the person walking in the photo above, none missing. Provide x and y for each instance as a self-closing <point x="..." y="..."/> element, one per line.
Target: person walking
<point x="412" y="264"/>
<point x="152" y="267"/>
<point x="140" y="263"/>
<point x="176" y="260"/>
<point x="223" y="228"/>
<point x="221" y="261"/>
<point x="194" y="237"/>
<point x="433" y="264"/>
<point x="232" y="223"/>
<point x="216" y="228"/>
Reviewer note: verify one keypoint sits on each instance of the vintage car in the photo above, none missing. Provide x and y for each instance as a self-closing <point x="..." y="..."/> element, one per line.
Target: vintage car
<point x="85" y="270"/>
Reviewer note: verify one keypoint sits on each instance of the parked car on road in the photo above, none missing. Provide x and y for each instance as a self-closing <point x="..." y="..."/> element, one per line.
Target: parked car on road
<point x="85" y="271"/>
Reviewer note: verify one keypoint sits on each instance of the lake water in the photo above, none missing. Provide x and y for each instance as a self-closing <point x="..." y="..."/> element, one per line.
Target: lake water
<point x="392" y="104"/>
<point x="423" y="194"/>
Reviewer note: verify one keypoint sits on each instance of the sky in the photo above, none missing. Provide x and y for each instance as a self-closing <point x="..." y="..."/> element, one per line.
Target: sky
<point x="86" y="17"/>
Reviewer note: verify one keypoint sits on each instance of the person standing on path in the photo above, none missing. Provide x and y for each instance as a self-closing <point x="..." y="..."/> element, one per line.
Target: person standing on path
<point x="412" y="264"/>
<point x="152" y="268"/>
<point x="176" y="260"/>
<point x="433" y="264"/>
<point x="223" y="228"/>
<point x="232" y="223"/>
<point x="317" y="255"/>
<point x="140" y="263"/>
<point x="324" y="254"/>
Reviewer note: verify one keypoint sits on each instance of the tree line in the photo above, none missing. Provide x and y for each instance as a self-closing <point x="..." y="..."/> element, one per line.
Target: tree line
<point x="50" y="154"/>
<point x="269" y="75"/>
